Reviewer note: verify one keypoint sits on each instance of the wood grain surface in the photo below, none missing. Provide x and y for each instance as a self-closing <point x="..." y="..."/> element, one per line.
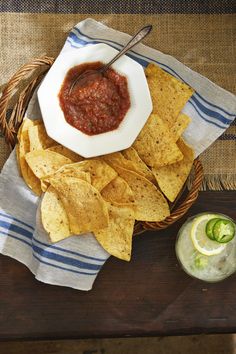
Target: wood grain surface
<point x="149" y="296"/>
<point x="207" y="344"/>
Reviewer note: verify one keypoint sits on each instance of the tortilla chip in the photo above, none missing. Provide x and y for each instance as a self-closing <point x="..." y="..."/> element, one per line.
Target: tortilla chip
<point x="149" y="201"/>
<point x="186" y="149"/>
<point x="132" y="155"/>
<point x="155" y="144"/>
<point x="172" y="178"/>
<point x="44" y="185"/>
<point x="84" y="205"/>
<point x="118" y="192"/>
<point x="26" y="124"/>
<point x="66" y="152"/>
<point x="117" y="159"/>
<point x="38" y="138"/>
<point x="44" y="162"/>
<point x="116" y="239"/>
<point x="101" y="173"/>
<point x="169" y="95"/>
<point x="23" y="147"/>
<point x="70" y="171"/>
<point x="54" y="218"/>
<point x="182" y="121"/>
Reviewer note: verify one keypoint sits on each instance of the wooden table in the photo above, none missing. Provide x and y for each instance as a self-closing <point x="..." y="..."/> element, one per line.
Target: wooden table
<point x="149" y="296"/>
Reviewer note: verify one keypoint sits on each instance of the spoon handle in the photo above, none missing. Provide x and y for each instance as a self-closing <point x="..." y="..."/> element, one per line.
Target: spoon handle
<point x="143" y="32"/>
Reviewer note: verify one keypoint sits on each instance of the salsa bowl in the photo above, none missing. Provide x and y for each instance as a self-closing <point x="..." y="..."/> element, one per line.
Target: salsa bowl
<point x="104" y="143"/>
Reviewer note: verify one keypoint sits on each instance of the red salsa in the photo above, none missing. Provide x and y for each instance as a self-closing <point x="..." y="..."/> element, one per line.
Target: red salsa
<point x="98" y="106"/>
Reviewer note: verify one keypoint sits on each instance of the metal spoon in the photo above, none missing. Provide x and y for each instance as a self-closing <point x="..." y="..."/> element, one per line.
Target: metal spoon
<point x="81" y="79"/>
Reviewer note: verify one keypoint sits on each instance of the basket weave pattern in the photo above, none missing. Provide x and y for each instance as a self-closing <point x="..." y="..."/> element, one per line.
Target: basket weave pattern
<point x="33" y="73"/>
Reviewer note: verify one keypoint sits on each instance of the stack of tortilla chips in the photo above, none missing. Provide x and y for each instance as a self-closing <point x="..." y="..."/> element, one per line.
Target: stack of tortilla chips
<point x="105" y="195"/>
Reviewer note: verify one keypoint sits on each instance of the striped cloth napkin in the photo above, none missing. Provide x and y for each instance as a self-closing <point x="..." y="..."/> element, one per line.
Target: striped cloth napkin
<point x="76" y="261"/>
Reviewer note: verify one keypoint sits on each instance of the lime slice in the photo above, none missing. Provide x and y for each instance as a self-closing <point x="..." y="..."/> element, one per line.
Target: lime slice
<point x="200" y="240"/>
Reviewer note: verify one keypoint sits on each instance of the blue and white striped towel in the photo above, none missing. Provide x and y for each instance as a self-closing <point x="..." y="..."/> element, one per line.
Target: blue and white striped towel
<point x="76" y="261"/>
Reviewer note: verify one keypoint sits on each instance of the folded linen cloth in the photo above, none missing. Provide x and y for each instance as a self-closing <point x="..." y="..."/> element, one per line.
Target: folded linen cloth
<point x="76" y="261"/>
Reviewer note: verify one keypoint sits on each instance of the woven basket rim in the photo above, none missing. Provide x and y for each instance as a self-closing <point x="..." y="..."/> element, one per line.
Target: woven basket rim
<point x="9" y="128"/>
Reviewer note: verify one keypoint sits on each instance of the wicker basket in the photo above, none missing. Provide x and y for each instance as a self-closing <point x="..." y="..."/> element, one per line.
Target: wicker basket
<point x="21" y="87"/>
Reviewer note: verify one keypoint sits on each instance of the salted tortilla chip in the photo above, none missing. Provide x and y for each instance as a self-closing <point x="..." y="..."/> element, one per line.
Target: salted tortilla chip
<point x="26" y="124"/>
<point x="66" y="152"/>
<point x="155" y="144"/>
<point x="38" y="138"/>
<point x="116" y="239"/>
<point x="23" y="147"/>
<point x="169" y="95"/>
<point x="186" y="149"/>
<point x="84" y="205"/>
<point x="182" y="121"/>
<point x="149" y="201"/>
<point x="45" y="162"/>
<point x="118" y="159"/>
<point x="172" y="178"/>
<point x="118" y="192"/>
<point x="70" y="171"/>
<point x="101" y="173"/>
<point x="54" y="218"/>
<point x="44" y="185"/>
<point x="132" y="155"/>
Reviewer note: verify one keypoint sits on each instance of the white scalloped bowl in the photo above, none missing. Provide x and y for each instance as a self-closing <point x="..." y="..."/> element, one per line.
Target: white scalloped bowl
<point x="90" y="146"/>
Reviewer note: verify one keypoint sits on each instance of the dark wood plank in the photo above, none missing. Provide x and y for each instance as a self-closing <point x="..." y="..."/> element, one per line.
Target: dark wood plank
<point x="196" y="344"/>
<point x="151" y="295"/>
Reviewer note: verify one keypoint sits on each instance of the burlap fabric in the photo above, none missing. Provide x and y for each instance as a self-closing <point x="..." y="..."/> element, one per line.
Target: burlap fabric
<point x="204" y="42"/>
